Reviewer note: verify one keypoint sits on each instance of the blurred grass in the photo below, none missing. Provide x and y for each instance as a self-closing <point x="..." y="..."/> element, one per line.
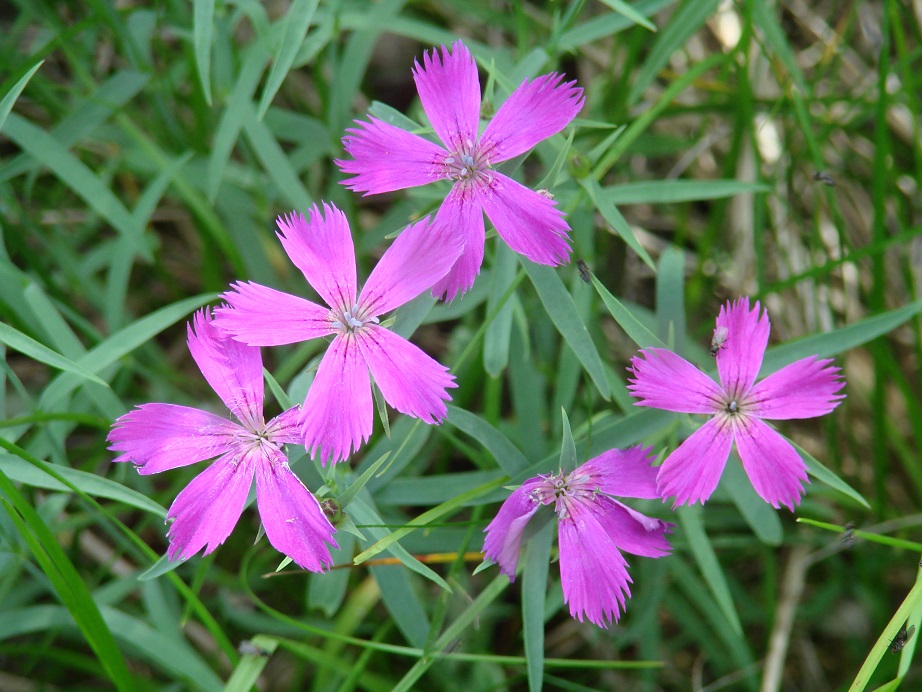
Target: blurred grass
<point x="768" y="149"/>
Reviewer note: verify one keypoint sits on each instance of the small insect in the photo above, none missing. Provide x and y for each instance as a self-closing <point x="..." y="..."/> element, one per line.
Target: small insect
<point x="248" y="648"/>
<point x="903" y="636"/>
<point x="584" y="273"/>
<point x="718" y="340"/>
<point x="825" y="178"/>
<point x="848" y="537"/>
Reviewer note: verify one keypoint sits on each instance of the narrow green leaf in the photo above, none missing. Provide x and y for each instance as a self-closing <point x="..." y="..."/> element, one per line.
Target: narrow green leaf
<point x="426" y="518"/>
<point x="764" y="17"/>
<point x="66" y="582"/>
<point x="21" y="471"/>
<point x="256" y="653"/>
<point x="632" y="326"/>
<point x="670" y="297"/>
<point x="567" y="446"/>
<point x="121" y="343"/>
<point x="28" y="346"/>
<point x="534" y="595"/>
<point x="615" y="219"/>
<point x="761" y="516"/>
<point x="672" y="191"/>
<point x="360" y="482"/>
<point x="839" y="340"/>
<point x="78" y="177"/>
<point x="296" y="22"/>
<point x="499" y="330"/>
<point x="563" y="313"/>
<point x="691" y="519"/>
<point x="275" y="162"/>
<point x="506" y="454"/>
<point x="202" y="26"/>
<point x="685" y="21"/>
<point x="629" y="12"/>
<point x="6" y="105"/>
<point x="824" y="475"/>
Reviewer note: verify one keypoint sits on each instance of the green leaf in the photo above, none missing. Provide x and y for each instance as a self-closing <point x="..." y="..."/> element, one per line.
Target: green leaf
<point x="276" y="164"/>
<point x="563" y="313"/>
<point x="296" y="22"/>
<point x="499" y="330"/>
<point x="691" y="519"/>
<point x="21" y="471"/>
<point x="121" y="343"/>
<point x="685" y="21"/>
<point x="66" y="582"/>
<point x="824" y="475"/>
<point x="629" y="12"/>
<point x="78" y="177"/>
<point x="761" y="516"/>
<point x="202" y="26"/>
<point x="840" y="340"/>
<point x="255" y="657"/>
<point x="28" y="346"/>
<point x="567" y="446"/>
<point x="360" y="482"/>
<point x="534" y="595"/>
<point x="670" y="297"/>
<point x="6" y="105"/>
<point x="672" y="191"/>
<point x="507" y="455"/>
<point x="632" y="326"/>
<point x="615" y="219"/>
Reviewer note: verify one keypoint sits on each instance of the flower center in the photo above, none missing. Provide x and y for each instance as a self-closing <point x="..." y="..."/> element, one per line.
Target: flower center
<point x="467" y="165"/>
<point x="351" y="321"/>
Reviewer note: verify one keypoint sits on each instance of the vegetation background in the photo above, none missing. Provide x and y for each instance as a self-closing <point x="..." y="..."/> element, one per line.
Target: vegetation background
<point x="726" y="148"/>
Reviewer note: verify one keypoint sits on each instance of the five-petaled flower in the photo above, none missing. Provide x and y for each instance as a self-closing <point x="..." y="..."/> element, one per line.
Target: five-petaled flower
<point x="386" y="158"/>
<point x="593" y="529"/>
<point x="158" y="437"/>
<point x="804" y="389"/>
<point x="338" y="412"/>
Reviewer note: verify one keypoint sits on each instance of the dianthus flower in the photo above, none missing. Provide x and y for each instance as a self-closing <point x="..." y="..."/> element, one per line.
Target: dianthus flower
<point x="804" y="389"/>
<point x="387" y="158"/>
<point x="593" y="529"/>
<point x="338" y="412"/>
<point x="158" y="437"/>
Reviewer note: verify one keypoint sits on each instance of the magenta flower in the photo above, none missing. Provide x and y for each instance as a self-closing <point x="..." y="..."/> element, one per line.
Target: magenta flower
<point x="158" y="437"/>
<point x="338" y="412"/>
<point x="592" y="531"/>
<point x="804" y="389"/>
<point x="387" y="158"/>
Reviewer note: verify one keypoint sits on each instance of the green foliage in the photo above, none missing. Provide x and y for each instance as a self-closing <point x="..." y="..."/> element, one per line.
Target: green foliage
<point x="724" y="150"/>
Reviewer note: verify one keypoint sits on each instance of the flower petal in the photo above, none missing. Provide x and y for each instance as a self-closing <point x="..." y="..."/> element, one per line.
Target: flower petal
<point x="530" y="223"/>
<point x="693" y="470"/>
<point x="593" y="572"/>
<point x="261" y="316"/>
<point x="632" y="531"/>
<point x="285" y="428"/>
<point x="461" y="215"/>
<point x="775" y="468"/>
<point x="623" y="472"/>
<point x="421" y="255"/>
<point x="158" y="437"/>
<point x="662" y="379"/>
<point x="322" y="249"/>
<point x="207" y="509"/>
<point x="449" y="90"/>
<point x="536" y="110"/>
<point x="291" y="515"/>
<point x="386" y="158"/>
<point x="740" y="357"/>
<point x="337" y="414"/>
<point x="504" y="534"/>
<point x="410" y="380"/>
<point x="233" y="370"/>
<point x="804" y="389"/>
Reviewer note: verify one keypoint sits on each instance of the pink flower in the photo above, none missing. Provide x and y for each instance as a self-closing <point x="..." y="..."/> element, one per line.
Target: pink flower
<point x="338" y="412"/>
<point x="158" y="437"/>
<point x="387" y="158"/>
<point x="804" y="389"/>
<point x="593" y="529"/>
